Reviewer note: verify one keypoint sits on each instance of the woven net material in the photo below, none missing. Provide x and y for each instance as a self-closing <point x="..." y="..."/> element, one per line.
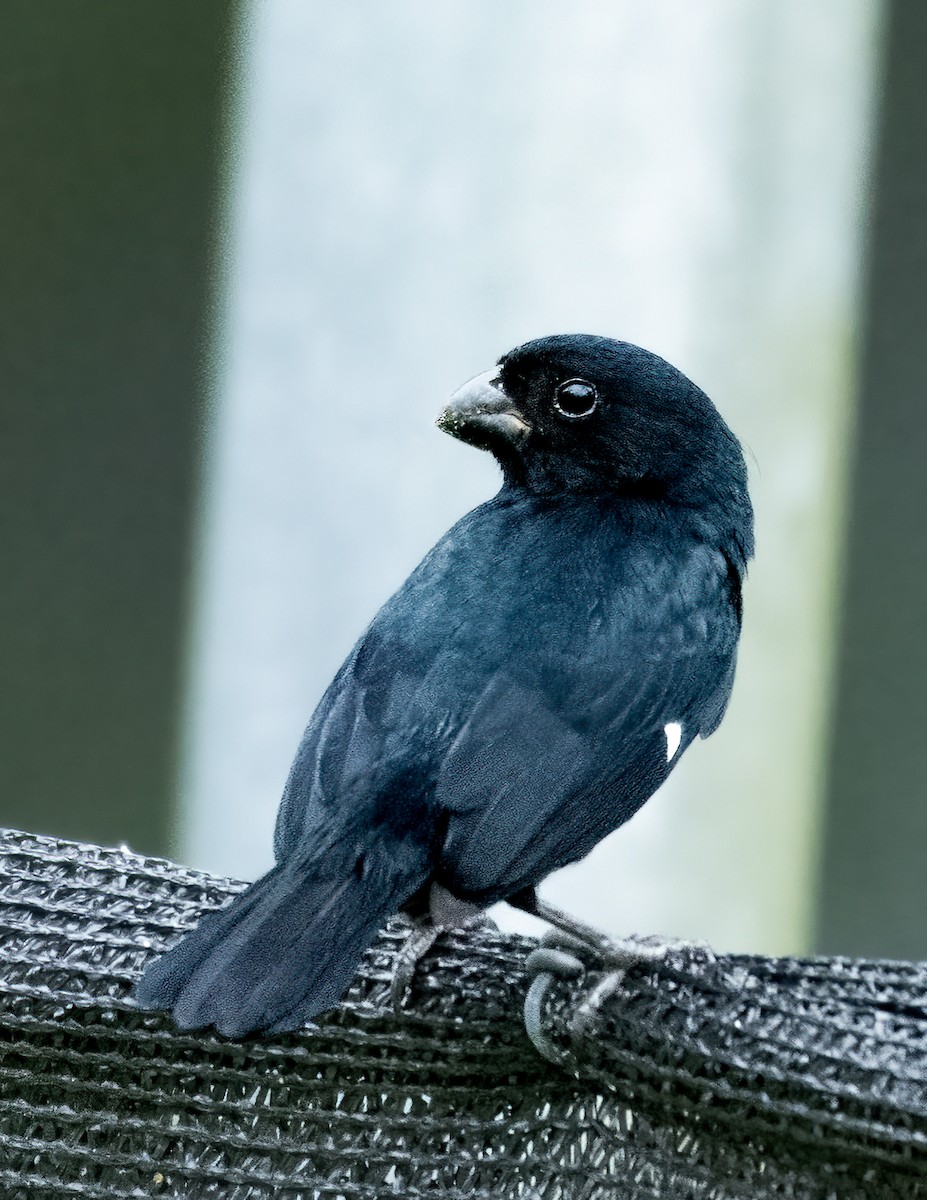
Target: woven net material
<point x="697" y="1077"/>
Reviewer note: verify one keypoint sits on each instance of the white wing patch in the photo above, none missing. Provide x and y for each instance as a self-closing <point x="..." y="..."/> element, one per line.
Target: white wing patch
<point x="673" y="731"/>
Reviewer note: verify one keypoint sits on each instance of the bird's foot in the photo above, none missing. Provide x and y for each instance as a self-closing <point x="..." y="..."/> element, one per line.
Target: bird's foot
<point x="572" y="949"/>
<point x="422" y="936"/>
<point x="446" y="912"/>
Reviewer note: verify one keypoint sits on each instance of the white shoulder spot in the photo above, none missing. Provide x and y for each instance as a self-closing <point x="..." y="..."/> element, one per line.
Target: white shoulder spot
<point x="673" y="731"/>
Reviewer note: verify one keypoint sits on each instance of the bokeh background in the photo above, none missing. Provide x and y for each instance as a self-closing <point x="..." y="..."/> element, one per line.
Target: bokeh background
<point x="246" y="252"/>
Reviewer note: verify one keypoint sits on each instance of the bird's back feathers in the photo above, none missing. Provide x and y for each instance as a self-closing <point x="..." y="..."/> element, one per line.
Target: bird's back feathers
<point x="536" y="713"/>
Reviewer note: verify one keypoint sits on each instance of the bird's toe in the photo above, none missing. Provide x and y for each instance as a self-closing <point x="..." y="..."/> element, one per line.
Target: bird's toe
<point x="422" y="936"/>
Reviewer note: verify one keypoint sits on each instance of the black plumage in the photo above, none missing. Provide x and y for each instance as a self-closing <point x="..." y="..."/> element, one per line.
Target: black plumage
<point x="530" y="685"/>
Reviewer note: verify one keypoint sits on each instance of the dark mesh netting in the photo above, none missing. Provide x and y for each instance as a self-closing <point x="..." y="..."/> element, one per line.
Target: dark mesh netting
<point x="698" y="1077"/>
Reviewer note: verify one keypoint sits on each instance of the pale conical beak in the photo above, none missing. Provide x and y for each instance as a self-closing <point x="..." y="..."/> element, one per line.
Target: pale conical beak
<point x="483" y="414"/>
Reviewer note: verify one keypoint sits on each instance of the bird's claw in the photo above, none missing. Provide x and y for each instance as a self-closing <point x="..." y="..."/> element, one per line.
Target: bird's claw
<point x="420" y="940"/>
<point x="562" y="955"/>
<point x="423" y="935"/>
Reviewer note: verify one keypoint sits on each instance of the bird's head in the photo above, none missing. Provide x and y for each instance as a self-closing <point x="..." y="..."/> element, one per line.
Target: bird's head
<point x="577" y="413"/>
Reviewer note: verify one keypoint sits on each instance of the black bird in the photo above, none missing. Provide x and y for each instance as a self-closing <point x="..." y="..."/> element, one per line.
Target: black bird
<point x="531" y="684"/>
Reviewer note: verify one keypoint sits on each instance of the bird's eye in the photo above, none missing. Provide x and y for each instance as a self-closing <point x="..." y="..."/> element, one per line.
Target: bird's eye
<point x="576" y="398"/>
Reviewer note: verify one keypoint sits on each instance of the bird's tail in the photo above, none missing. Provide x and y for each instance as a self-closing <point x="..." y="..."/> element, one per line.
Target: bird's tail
<point x="287" y="948"/>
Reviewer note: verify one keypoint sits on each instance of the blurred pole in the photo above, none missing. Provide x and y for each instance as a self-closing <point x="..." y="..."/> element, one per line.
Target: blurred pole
<point x="873" y="889"/>
<point x="110" y="122"/>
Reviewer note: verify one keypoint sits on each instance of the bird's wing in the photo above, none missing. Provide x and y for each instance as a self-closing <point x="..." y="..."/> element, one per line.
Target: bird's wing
<point x="534" y="728"/>
<point x="563" y="747"/>
<point x="377" y="733"/>
<point x="343" y="742"/>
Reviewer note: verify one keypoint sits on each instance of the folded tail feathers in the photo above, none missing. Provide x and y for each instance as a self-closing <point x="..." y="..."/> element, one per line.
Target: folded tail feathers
<point x="283" y="951"/>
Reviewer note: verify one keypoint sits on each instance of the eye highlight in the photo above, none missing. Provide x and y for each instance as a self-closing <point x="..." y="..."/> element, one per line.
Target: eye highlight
<point x="576" y="398"/>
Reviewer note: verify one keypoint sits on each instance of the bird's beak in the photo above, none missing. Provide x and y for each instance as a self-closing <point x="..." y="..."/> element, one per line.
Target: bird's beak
<point x="483" y="414"/>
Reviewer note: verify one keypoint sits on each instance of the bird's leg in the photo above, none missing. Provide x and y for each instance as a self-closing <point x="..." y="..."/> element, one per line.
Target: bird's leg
<point x="422" y="936"/>
<point x="576" y="935"/>
<point x="564" y="951"/>
<point x="579" y="935"/>
<point x="445" y="912"/>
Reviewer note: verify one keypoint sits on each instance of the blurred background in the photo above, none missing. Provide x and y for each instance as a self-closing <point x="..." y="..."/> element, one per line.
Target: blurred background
<point x="246" y="252"/>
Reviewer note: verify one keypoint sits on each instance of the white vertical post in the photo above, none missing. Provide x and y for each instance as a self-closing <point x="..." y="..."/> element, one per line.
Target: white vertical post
<point x="424" y="186"/>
